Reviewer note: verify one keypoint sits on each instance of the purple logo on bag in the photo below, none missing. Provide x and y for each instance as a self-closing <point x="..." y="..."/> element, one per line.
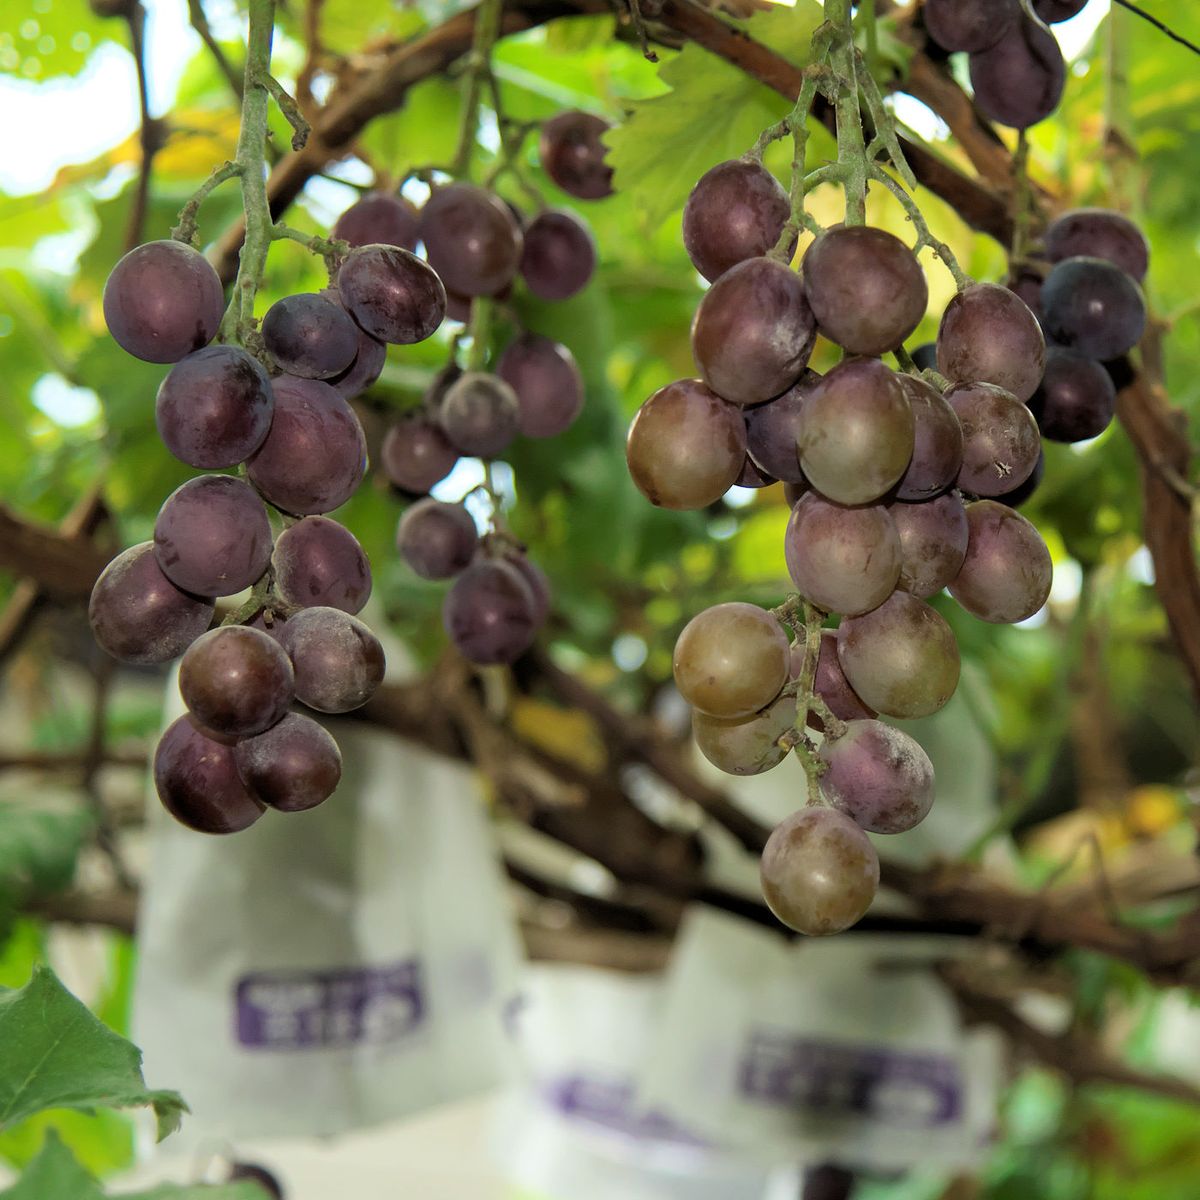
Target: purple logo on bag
<point x="611" y="1103"/>
<point x="905" y="1088"/>
<point x="295" y="1010"/>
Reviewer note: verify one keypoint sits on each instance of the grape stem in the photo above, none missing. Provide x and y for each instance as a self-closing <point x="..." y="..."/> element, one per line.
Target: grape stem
<point x="187" y="229"/>
<point x="478" y="66"/>
<point x="332" y="250"/>
<point x="925" y="236"/>
<point x="852" y="151"/>
<point x="290" y="109"/>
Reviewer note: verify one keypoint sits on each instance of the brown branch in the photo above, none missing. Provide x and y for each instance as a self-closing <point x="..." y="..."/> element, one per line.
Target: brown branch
<point x="151" y="135"/>
<point x="73" y="761"/>
<point x="199" y="22"/>
<point x="63" y="564"/>
<point x="116" y="910"/>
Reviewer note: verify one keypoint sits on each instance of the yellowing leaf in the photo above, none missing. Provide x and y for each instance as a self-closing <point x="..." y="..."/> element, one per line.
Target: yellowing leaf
<point x="563" y="733"/>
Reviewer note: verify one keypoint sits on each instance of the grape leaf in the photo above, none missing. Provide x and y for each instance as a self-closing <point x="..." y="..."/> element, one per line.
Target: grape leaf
<point x="713" y="112"/>
<point x="58" y="1055"/>
<point x="38" y="848"/>
<point x="41" y="39"/>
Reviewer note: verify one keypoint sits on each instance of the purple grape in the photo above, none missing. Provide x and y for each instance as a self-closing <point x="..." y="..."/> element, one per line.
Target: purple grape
<point x="1019" y="81"/>
<point x="546" y="381"/>
<point x="319" y="563"/>
<point x="338" y="661"/>
<point x="292" y="767"/>
<point x="1001" y="442"/>
<point x="925" y="356"/>
<point x="1093" y="307"/>
<point x="572" y="154"/>
<point x="378" y="219"/>
<point x="539" y="585"/>
<point x="933" y="543"/>
<point x="937" y="442"/>
<point x="366" y="368"/>
<point x="307" y="335"/>
<point x="316" y="453"/>
<point x="1019" y="495"/>
<point x="879" y="777"/>
<point x="736" y="211"/>
<point x="490" y="613"/>
<point x="970" y="25"/>
<point x="1026" y="281"/>
<point x="391" y="294"/>
<point x="1053" y="11"/>
<point x="138" y="615"/>
<point x="559" y="257"/>
<point x="830" y="683"/>
<point x="865" y="288"/>
<point x="437" y="539"/>
<point x="753" y="476"/>
<point x="214" y="408"/>
<point x="1099" y="233"/>
<point x="198" y="783"/>
<point x="416" y="454"/>
<point x="236" y="680"/>
<point x="773" y="430"/>
<point x="753" y="332"/>
<point x="212" y="536"/>
<point x="988" y="335"/>
<point x="844" y="560"/>
<point x="686" y="446"/>
<point x="471" y="239"/>
<point x="1077" y="398"/>
<point x="480" y="414"/>
<point x="900" y="658"/>
<point x="259" y="1175"/>
<point x="1007" y="573"/>
<point x="792" y="493"/>
<point x="162" y="301"/>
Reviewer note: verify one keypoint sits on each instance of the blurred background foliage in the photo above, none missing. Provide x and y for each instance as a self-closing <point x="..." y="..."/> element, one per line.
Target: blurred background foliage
<point x="1097" y="668"/>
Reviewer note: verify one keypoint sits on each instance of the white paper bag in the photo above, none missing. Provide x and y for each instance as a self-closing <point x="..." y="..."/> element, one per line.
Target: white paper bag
<point x="846" y="1049"/>
<point x="326" y="970"/>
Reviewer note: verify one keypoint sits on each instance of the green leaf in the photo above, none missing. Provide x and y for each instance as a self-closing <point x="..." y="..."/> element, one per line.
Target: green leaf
<point x="38" y="849"/>
<point x="40" y="39"/>
<point x="58" y="1055"/>
<point x="713" y="112"/>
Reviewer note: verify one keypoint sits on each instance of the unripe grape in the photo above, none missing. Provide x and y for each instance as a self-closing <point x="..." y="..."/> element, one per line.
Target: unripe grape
<point x="901" y="658"/>
<point x="731" y="660"/>
<point x="844" y="560"/>
<point x="819" y="872"/>
<point x="746" y="745"/>
<point x="879" y="777"/>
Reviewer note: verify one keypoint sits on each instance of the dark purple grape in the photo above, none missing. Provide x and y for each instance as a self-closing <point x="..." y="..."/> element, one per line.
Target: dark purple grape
<point x="933" y="543"/>
<point x="489" y="613"/>
<point x="686" y="446"/>
<point x="294" y="766"/>
<point x="937" y="442"/>
<point x="1026" y="282"/>
<point x="539" y="585"/>
<point x="256" y="1174"/>
<point x="753" y="476"/>
<point x="1093" y="307"/>
<point x="773" y="430"/>
<point x="212" y="536"/>
<point x="138" y="615"/>
<point x="546" y="381"/>
<point x="391" y="294"/>
<point x="901" y="658"/>
<point x="307" y="335"/>
<point x="828" y="1182"/>
<point x="214" y="408"/>
<point x="572" y="154"/>
<point x="970" y="25"/>
<point x="162" y="301"/>
<point x="1099" y="233"/>
<point x="1001" y="442"/>
<point x="988" y="335"/>
<point x="792" y="493"/>
<point x="736" y="211"/>
<point x="316" y="453"/>
<point x="1053" y="11"/>
<point x="559" y="255"/>
<point x="436" y="539"/>
<point x="198" y="783"/>
<point x="458" y="308"/>
<point x="378" y="219"/>
<point x="819" y="872"/>
<point x="830" y="683"/>
<point x="844" y="560"/>
<point x="879" y="777"/>
<point x="753" y="332"/>
<point x="320" y="563"/>
<point x="1077" y="398"/>
<point x="1121" y="371"/>
<point x="368" y="362"/>
<point x="925" y="356"/>
<point x="1007" y="573"/>
<point x="1019" y="81"/>
<point x="236" y="680"/>
<point x="480" y="414"/>
<point x="865" y="288"/>
<point x="416" y="454"/>
<point x="338" y="661"/>
<point x="471" y="239"/>
<point x="856" y="432"/>
<point x="1019" y="495"/>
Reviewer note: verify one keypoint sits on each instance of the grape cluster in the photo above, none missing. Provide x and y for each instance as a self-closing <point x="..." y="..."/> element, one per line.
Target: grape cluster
<point x="896" y="490"/>
<point x="302" y="453"/>
<point x="1016" y="67"/>
<point x="479" y="245"/>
